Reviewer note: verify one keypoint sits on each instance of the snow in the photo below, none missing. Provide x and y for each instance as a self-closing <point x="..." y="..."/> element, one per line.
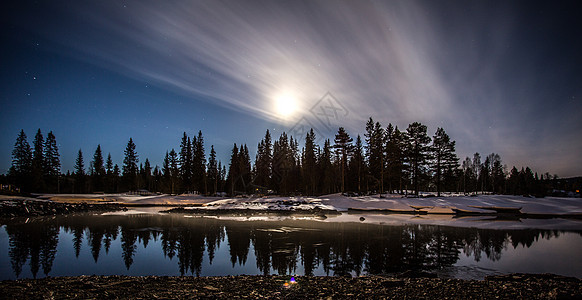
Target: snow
<point x="548" y="205"/>
<point x="439" y="213"/>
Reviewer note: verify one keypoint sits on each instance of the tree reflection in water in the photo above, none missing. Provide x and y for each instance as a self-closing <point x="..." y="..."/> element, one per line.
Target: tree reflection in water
<point x="279" y="246"/>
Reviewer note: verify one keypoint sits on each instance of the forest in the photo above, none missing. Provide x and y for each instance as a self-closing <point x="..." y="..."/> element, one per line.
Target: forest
<point x="385" y="160"/>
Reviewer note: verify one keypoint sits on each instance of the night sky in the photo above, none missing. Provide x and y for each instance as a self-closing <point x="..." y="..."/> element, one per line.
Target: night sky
<point x="498" y="76"/>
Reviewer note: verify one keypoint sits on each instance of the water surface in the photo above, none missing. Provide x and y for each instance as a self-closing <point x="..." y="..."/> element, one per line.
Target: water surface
<point x="149" y="244"/>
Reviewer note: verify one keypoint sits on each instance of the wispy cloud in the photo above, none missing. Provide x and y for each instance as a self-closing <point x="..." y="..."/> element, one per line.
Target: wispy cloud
<point x="398" y="61"/>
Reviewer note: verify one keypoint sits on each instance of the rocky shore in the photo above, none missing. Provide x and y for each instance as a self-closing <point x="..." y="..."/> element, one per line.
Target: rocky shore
<point x="515" y="286"/>
<point x="27" y="208"/>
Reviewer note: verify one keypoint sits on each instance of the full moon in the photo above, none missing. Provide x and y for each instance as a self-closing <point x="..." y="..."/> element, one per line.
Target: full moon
<point x="286" y="105"/>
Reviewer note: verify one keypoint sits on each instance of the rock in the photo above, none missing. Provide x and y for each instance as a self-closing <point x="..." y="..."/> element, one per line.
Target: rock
<point x="392" y="283"/>
<point x="416" y="274"/>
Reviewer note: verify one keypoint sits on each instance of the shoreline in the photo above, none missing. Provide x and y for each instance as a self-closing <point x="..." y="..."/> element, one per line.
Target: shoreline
<point x="27" y="207"/>
<point x="407" y="285"/>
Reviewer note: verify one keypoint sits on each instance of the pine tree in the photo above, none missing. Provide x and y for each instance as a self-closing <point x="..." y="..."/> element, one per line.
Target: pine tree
<point x="327" y="176"/>
<point x="186" y="157"/>
<point x="233" y="171"/>
<point x="417" y="152"/>
<point x="444" y="157"/>
<point x="395" y="144"/>
<point x="375" y="141"/>
<point x="147" y="175"/>
<point x="199" y="164"/>
<point x="357" y="164"/>
<point x="171" y="170"/>
<point x="514" y="182"/>
<point x="116" y="176"/>
<point x="166" y="173"/>
<point x="283" y="165"/>
<point x="467" y="175"/>
<point x="263" y="162"/>
<point x="295" y="162"/>
<point x="108" y="184"/>
<point x="343" y="149"/>
<point x="21" y="162"/>
<point x="223" y="175"/>
<point x="130" y="167"/>
<point x="213" y="171"/>
<point x="497" y="174"/>
<point x="244" y="169"/>
<point x="476" y="167"/>
<point x="309" y="165"/>
<point x="396" y="157"/>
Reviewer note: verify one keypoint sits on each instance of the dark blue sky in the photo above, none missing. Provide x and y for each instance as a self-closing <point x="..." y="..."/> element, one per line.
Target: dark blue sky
<point x="498" y="76"/>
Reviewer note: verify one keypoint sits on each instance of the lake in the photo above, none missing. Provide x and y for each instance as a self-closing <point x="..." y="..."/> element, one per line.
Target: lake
<point x="177" y="244"/>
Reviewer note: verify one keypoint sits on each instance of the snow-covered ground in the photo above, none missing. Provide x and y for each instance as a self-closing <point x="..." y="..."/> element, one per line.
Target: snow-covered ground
<point x="439" y="211"/>
<point x="548" y="205"/>
<point x="440" y="205"/>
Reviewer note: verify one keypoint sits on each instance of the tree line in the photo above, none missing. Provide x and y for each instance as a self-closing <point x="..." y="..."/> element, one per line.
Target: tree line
<point x="385" y="160"/>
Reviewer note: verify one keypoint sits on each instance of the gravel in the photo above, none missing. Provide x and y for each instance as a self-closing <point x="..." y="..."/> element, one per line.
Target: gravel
<point x="514" y="286"/>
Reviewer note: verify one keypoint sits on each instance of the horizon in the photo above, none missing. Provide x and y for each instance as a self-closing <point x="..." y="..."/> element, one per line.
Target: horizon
<point x="498" y="77"/>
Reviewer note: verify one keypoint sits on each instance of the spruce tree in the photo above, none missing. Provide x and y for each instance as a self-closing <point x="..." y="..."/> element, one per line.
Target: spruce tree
<point x="98" y="170"/>
<point x="130" y="167"/>
<point x="98" y="167"/>
<point x="51" y="156"/>
<point x="21" y="162"/>
<point x="109" y="164"/>
<point x="80" y="164"/>
<point x="52" y="163"/>
<point x="80" y="173"/>
<point x="38" y="162"/>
